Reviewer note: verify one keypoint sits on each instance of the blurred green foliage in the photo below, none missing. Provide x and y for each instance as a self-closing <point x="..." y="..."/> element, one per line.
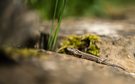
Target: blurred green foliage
<point x="100" y="8"/>
<point x="46" y="7"/>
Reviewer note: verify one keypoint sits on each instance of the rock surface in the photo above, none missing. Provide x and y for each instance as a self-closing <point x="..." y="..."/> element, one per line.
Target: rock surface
<point x="65" y="69"/>
<point x="54" y="68"/>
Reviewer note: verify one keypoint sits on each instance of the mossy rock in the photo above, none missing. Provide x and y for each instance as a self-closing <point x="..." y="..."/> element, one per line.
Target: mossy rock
<point x="86" y="43"/>
<point x="21" y="53"/>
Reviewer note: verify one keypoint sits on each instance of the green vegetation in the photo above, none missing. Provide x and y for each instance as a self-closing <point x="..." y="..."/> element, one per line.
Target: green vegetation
<point x="85" y="43"/>
<point x="47" y="8"/>
<point x="99" y="8"/>
<point x="18" y="54"/>
<point x="55" y="9"/>
<point x="59" y="7"/>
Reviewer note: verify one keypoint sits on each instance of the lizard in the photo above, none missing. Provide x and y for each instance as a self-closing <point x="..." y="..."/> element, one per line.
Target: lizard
<point x="101" y="60"/>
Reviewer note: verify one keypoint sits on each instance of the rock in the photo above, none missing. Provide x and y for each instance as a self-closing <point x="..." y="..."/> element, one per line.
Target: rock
<point x="54" y="68"/>
<point x="25" y="73"/>
<point x="18" y="24"/>
<point x="65" y="69"/>
<point x="120" y="51"/>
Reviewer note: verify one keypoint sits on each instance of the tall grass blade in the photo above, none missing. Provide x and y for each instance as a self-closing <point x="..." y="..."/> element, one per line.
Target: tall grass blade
<point x="54" y="31"/>
<point x="50" y="40"/>
<point x="58" y="26"/>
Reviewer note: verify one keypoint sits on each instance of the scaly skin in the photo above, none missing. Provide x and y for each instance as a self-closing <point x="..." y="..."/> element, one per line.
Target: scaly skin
<point x="100" y="59"/>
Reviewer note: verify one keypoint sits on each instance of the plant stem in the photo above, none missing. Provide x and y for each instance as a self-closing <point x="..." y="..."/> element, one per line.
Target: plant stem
<point x="52" y="26"/>
<point x="54" y="31"/>
<point x="59" y="22"/>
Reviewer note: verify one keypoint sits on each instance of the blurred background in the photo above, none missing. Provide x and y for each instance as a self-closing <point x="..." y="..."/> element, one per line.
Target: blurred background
<point x="115" y="9"/>
<point x="18" y="20"/>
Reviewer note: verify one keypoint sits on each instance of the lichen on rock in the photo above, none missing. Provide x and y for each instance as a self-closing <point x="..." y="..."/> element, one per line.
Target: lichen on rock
<point x="85" y="43"/>
<point x="23" y="53"/>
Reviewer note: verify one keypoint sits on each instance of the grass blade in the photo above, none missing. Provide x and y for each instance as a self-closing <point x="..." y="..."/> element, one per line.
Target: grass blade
<point x="58" y="26"/>
<point x="50" y="40"/>
<point x="55" y="30"/>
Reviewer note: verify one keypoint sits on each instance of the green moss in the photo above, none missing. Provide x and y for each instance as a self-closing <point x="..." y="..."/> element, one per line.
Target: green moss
<point x="23" y="54"/>
<point x="85" y="43"/>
